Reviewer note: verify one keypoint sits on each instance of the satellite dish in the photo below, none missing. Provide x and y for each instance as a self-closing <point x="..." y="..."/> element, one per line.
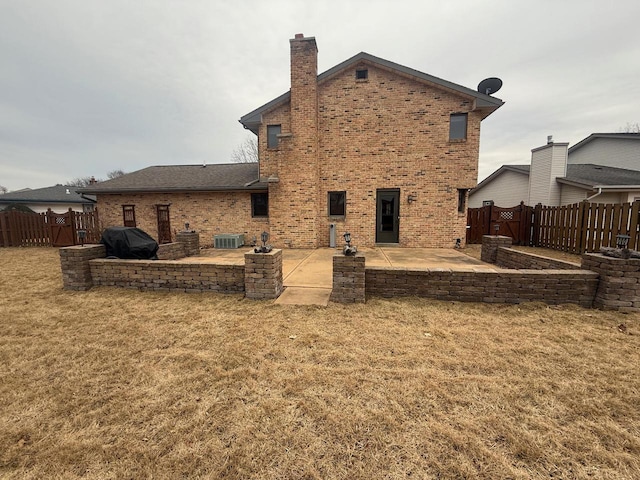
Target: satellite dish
<point x="489" y="86"/>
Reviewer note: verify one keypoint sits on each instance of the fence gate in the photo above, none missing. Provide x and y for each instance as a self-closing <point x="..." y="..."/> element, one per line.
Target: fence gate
<point x="514" y="222"/>
<point x="62" y="231"/>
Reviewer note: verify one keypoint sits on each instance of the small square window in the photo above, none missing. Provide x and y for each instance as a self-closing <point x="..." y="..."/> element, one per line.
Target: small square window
<point x="272" y="135"/>
<point x="259" y="204"/>
<point x="462" y="199"/>
<point x="337" y="201"/>
<point x="458" y="126"/>
<point x="362" y="74"/>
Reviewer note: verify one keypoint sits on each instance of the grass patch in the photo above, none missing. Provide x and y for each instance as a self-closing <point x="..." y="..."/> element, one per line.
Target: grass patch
<point x="114" y="383"/>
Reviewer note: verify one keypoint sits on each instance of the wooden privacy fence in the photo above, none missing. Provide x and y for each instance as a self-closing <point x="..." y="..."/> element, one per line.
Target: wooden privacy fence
<point x="23" y="229"/>
<point x="578" y="228"/>
<point x="585" y="227"/>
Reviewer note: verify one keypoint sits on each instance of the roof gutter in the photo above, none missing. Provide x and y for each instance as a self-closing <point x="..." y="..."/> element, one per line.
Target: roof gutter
<point x="599" y="192"/>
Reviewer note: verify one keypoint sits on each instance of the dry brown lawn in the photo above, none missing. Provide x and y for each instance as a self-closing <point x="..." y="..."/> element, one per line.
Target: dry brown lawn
<point x="117" y="384"/>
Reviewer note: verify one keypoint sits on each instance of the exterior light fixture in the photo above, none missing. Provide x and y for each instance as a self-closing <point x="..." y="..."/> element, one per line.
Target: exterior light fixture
<point x="496" y="227"/>
<point x="82" y="234"/>
<point x="348" y="249"/>
<point x="264" y="236"/>
<point x="622" y="241"/>
<point x="186" y="227"/>
<point x="411" y="198"/>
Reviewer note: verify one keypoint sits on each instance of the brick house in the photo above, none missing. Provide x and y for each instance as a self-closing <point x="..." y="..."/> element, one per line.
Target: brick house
<point x="372" y="147"/>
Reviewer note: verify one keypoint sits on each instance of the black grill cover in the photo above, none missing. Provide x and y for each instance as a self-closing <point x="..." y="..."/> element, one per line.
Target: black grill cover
<point x="129" y="242"/>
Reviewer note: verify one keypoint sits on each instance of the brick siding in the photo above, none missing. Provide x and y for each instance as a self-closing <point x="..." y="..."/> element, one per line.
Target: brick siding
<point x="387" y="132"/>
<point x="208" y="213"/>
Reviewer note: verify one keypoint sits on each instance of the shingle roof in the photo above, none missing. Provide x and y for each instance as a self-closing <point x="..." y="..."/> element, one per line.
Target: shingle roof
<point x="253" y="119"/>
<point x="600" y="176"/>
<point x="54" y="194"/>
<point x="192" y="178"/>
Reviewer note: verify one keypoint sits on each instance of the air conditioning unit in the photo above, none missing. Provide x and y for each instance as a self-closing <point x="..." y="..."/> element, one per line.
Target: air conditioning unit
<point x="228" y="240"/>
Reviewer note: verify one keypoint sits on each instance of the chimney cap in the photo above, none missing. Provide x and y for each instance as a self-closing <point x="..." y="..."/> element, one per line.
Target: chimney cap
<point x="298" y="36"/>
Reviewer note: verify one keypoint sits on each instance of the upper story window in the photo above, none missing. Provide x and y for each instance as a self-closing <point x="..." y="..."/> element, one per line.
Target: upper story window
<point x="458" y="126"/>
<point x="337" y="202"/>
<point x="362" y="74"/>
<point x="272" y="135"/>
<point x="259" y="204"/>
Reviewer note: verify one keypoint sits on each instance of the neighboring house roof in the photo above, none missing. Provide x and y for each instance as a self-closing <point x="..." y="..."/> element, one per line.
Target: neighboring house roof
<point x="593" y="136"/>
<point x="192" y="178"/>
<point x="588" y="176"/>
<point x="598" y="176"/>
<point x="253" y="119"/>
<point x="54" y="194"/>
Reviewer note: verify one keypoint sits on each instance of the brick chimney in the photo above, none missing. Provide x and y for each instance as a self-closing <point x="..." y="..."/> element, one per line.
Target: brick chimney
<point x="298" y="168"/>
<point x="304" y="88"/>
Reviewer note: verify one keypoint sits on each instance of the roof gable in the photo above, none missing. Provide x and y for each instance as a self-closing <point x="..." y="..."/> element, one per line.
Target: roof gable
<point x="594" y="136"/>
<point x="522" y="169"/>
<point x="253" y="119"/>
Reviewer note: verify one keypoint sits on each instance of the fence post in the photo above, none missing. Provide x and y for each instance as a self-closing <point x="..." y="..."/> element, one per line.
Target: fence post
<point x="537" y="217"/>
<point x="72" y="219"/>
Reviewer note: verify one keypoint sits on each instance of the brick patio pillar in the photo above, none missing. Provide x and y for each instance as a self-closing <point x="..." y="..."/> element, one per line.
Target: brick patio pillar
<point x="263" y="274"/>
<point x="618" y="288"/>
<point x="191" y="241"/>
<point x="490" y="245"/>
<point x="348" y="278"/>
<point x="74" y="262"/>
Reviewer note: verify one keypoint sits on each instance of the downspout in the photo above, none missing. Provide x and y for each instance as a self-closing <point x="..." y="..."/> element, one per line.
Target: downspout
<point x="588" y="199"/>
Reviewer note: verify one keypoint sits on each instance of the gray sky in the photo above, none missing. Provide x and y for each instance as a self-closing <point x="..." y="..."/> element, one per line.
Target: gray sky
<point x="90" y="86"/>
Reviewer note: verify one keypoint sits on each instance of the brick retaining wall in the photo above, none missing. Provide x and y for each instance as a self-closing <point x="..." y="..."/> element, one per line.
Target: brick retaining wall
<point x="263" y="274"/>
<point x="619" y="287"/>
<point x="167" y="275"/>
<point x="171" y="251"/>
<point x="507" y="286"/>
<point x="510" y="258"/>
<point x="191" y="242"/>
<point x="490" y="245"/>
<point x="348" y="279"/>
<point x="74" y="262"/>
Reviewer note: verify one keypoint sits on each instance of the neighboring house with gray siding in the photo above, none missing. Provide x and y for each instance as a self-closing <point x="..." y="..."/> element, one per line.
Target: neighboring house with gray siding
<point x="602" y="168"/>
